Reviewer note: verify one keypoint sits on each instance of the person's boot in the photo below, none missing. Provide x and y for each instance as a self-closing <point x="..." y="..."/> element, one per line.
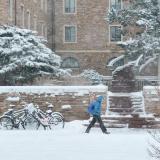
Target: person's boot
<point x="87" y="130"/>
<point x="106" y="132"/>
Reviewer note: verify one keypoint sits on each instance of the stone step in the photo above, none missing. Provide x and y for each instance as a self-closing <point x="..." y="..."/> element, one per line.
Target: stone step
<point x="121" y="110"/>
<point x="119" y="107"/>
<point x="110" y="125"/>
<point x="136" y="101"/>
<point x="136" y="98"/>
<point x="114" y="121"/>
<point x="137" y="107"/>
<point x="129" y="121"/>
<point x="133" y="103"/>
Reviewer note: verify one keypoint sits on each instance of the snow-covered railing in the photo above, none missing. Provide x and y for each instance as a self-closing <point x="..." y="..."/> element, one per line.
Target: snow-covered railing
<point x="138" y="60"/>
<point x="146" y="63"/>
<point x="124" y="66"/>
<point x="112" y="62"/>
<point x="149" y="78"/>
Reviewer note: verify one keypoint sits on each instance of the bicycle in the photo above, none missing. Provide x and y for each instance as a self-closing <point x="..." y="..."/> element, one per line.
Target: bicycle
<point x="12" y="119"/>
<point x="55" y="119"/>
<point x="16" y="119"/>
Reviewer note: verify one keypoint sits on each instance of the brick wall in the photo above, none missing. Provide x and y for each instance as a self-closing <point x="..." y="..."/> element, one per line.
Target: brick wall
<point x="92" y="48"/>
<point x="29" y="5"/>
<point x="77" y="97"/>
<point x="3" y="12"/>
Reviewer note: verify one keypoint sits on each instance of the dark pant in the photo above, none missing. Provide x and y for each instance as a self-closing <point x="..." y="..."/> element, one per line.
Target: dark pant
<point x="94" y="120"/>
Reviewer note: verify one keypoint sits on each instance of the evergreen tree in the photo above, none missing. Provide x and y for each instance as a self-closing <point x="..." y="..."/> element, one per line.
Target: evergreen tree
<point x="144" y="45"/>
<point x="24" y="56"/>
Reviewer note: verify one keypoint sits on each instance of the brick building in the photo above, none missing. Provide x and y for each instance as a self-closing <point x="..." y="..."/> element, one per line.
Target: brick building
<point x="82" y="35"/>
<point x="77" y="30"/>
<point x="30" y="14"/>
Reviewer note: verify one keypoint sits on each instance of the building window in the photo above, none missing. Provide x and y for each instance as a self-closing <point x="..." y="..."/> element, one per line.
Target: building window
<point x="70" y="34"/>
<point x="70" y="6"/>
<point x="22" y="15"/>
<point x="116" y="4"/>
<point x="70" y="62"/>
<point x="10" y="9"/>
<point x="28" y="19"/>
<point x="115" y="33"/>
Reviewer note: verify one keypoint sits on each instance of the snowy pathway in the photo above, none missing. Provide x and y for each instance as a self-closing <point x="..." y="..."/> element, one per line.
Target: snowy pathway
<point x="73" y="144"/>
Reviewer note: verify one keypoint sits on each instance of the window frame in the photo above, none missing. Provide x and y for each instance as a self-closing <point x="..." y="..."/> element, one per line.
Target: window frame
<point x="68" y="13"/>
<point x="111" y="33"/>
<point x="110" y="2"/>
<point x="64" y="34"/>
<point x="70" y="57"/>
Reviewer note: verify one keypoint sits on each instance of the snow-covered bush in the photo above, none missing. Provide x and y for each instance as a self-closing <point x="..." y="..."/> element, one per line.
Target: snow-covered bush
<point x="143" y="47"/>
<point x="154" y="147"/>
<point x="92" y="76"/>
<point x="24" y="56"/>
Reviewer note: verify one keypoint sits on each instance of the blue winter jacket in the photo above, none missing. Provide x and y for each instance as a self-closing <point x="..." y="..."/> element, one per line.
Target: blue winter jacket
<point x="97" y="105"/>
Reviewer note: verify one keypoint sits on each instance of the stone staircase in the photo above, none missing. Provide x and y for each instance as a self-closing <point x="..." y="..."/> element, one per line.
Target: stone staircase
<point x="125" y="103"/>
<point x="130" y="121"/>
<point x="137" y="103"/>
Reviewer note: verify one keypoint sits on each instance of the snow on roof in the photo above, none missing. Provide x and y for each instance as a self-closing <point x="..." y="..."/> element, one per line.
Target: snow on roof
<point x="52" y="89"/>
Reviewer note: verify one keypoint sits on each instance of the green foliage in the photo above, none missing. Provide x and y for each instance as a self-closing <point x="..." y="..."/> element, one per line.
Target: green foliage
<point x="24" y="56"/>
<point x="145" y="16"/>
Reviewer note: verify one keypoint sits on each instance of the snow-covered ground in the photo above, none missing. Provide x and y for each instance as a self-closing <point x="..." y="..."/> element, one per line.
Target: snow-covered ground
<point x="71" y="143"/>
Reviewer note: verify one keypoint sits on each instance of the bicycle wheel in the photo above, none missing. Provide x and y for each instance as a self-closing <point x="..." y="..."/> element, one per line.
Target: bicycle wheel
<point x="30" y="123"/>
<point x="56" y="122"/>
<point x="57" y="114"/>
<point x="6" y="123"/>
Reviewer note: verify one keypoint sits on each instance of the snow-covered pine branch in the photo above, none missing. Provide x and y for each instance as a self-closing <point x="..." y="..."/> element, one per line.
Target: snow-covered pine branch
<point x="154" y="147"/>
<point x="24" y="56"/>
<point x="145" y="15"/>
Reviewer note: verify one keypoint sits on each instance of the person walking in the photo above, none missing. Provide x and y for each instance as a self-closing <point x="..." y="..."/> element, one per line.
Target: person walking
<point x="95" y="110"/>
